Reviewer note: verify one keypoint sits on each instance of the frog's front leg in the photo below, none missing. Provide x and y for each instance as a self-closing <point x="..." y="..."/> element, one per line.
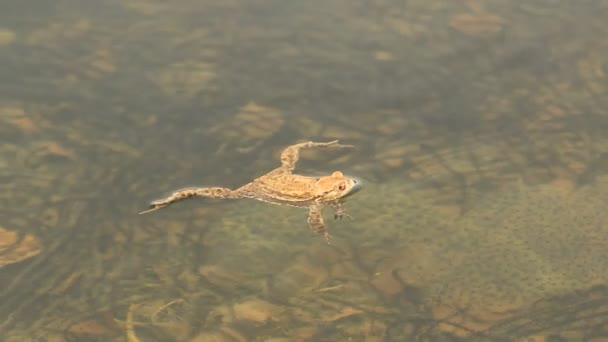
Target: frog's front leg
<point x="339" y="210"/>
<point x="315" y="221"/>
<point x="291" y="154"/>
<point x="182" y="194"/>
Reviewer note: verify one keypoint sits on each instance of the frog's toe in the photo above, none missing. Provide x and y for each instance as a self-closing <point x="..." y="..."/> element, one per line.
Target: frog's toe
<point x="327" y="237"/>
<point x="154" y="205"/>
<point x="339" y="216"/>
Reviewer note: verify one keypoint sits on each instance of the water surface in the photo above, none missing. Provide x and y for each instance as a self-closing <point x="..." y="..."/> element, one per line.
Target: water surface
<point x="480" y="134"/>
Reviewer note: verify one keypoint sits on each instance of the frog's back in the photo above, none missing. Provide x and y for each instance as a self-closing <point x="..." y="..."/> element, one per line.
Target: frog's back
<point x="281" y="188"/>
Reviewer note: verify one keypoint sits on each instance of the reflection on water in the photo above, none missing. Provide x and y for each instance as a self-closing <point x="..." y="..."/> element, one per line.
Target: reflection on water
<point x="479" y="128"/>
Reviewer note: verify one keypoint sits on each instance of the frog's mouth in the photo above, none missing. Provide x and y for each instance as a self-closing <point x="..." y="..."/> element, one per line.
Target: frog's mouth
<point x="356" y="187"/>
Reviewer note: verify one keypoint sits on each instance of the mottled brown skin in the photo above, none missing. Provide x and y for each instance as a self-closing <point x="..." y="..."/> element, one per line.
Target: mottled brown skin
<point x="281" y="186"/>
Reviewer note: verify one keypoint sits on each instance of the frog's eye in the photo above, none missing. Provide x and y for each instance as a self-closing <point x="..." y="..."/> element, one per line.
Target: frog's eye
<point x="342" y="186"/>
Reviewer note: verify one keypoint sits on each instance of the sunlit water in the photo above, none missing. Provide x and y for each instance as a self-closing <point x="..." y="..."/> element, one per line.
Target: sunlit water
<point x="480" y="134"/>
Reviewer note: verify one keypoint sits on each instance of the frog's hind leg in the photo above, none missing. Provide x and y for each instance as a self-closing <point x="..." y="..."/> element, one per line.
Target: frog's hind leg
<point x="316" y="223"/>
<point x="182" y="194"/>
<point x="291" y="154"/>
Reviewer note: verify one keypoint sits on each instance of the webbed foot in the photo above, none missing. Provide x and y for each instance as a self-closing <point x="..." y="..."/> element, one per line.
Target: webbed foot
<point x="155" y="205"/>
<point x="339" y="211"/>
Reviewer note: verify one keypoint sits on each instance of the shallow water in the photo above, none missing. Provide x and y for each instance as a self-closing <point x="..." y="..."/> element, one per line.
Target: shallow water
<point x="479" y="128"/>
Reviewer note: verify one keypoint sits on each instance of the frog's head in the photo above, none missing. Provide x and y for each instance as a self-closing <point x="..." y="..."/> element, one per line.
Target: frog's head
<point x="335" y="186"/>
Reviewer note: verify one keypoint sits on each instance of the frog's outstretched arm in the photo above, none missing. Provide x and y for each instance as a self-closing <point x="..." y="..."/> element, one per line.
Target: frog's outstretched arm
<point x="291" y="154"/>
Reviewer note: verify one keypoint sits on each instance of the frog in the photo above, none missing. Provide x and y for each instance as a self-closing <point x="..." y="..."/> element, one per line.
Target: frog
<point x="281" y="186"/>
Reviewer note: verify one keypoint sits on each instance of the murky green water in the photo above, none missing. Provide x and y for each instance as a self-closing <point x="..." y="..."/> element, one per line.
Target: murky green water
<point x="480" y="134"/>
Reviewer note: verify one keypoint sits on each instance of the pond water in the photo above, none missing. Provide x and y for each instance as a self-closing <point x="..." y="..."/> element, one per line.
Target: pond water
<point x="479" y="132"/>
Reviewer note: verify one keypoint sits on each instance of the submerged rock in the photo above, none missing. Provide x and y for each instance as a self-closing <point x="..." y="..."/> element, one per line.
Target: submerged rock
<point x="15" y="248"/>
